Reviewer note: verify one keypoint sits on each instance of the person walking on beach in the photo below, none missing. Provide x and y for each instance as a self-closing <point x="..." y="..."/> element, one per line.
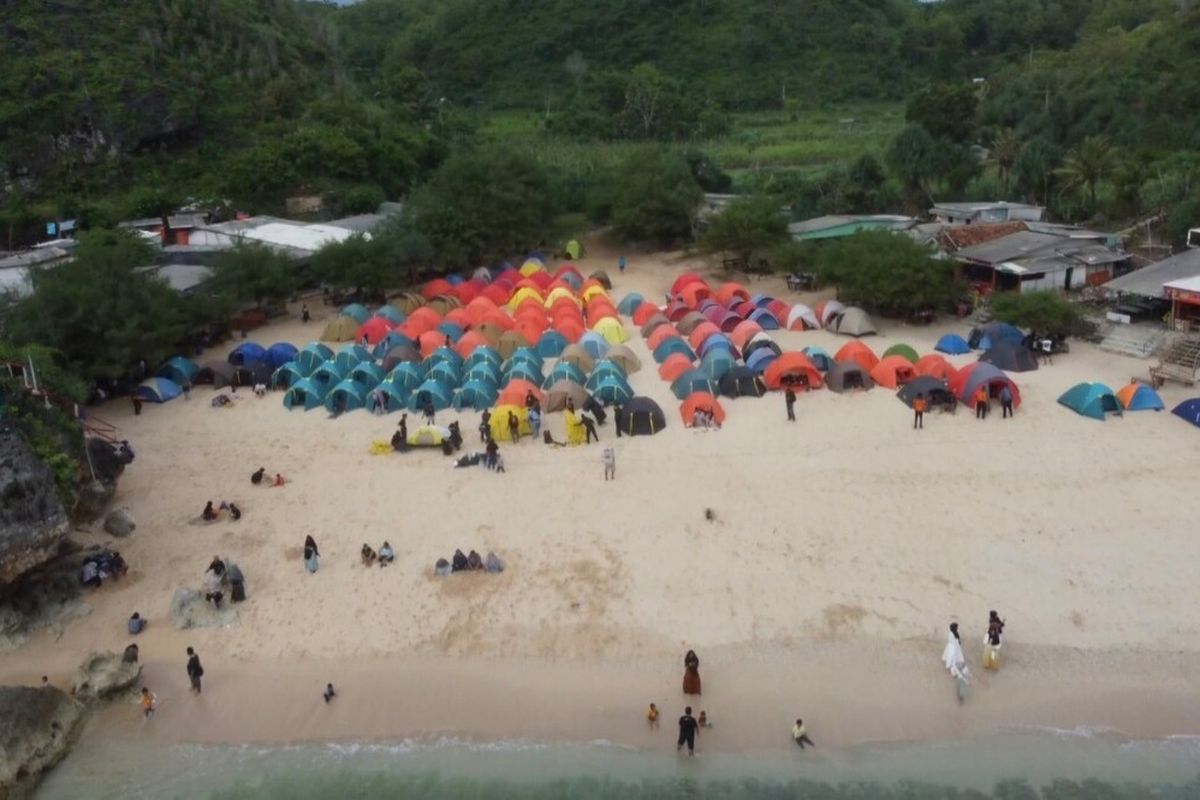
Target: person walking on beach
<point x="149" y="702"/>
<point x="514" y="427"/>
<point x="691" y="674"/>
<point x="789" y="398"/>
<point x="800" y="734"/>
<point x="590" y="428"/>
<point x="621" y="264"/>
<point x="652" y="716"/>
<point x="1006" y="402"/>
<point x="535" y="420"/>
<point x="992" y="641"/>
<point x="919" y="406"/>
<point x="329" y="693"/>
<point x="194" y="670"/>
<point x="687" y="732"/>
<point x="137" y="405"/>
<point x="312" y="556"/>
<point x="956" y="663"/>
<point x="981" y="402"/>
<point x="485" y="422"/>
<point x="609" y="457"/>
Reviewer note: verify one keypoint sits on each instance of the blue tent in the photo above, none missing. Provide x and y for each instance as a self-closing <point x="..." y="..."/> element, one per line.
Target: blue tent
<point x="436" y="391"/>
<point x="595" y="344"/>
<point x="551" y="344"/>
<point x="390" y="340"/>
<point x="280" y="353"/>
<point x="523" y="371"/>
<point x="819" y="356"/>
<point x="306" y="394"/>
<point x="483" y="355"/>
<point x="392" y="314"/>
<point x="760" y="359"/>
<point x="564" y="371"/>
<point x="716" y="363"/>
<point x="246" y="352"/>
<point x="600" y="376"/>
<point x="718" y="341"/>
<point x="765" y="319"/>
<point x="157" y="390"/>
<point x="443" y="354"/>
<point x="357" y="312"/>
<point x="1189" y="410"/>
<point x="952" y="344"/>
<point x="1091" y="400"/>
<point x="348" y="394"/>
<point x="445" y="372"/>
<point x="612" y="391"/>
<point x="454" y="279"/>
<point x="368" y="373"/>
<point x="629" y="302"/>
<point x="179" y="369"/>
<point x="671" y="345"/>
<point x="983" y="336"/>
<point x="693" y="381"/>
<point x="351" y="356"/>
<point x="406" y="375"/>
<point x="395" y="396"/>
<point x="477" y="395"/>
<point x="312" y="356"/>
<point x="1139" y="397"/>
<point x="450" y="329"/>
<point x="287" y="375"/>
<point x="329" y="375"/>
<point x="485" y="372"/>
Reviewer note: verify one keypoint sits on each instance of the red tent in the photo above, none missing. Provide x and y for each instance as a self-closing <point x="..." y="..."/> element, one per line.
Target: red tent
<point x="373" y="329"/>
<point x="792" y="369"/>
<point x="701" y="401"/>
<point x="859" y="353"/>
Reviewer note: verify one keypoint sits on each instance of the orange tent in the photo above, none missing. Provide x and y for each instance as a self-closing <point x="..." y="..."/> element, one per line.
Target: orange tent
<point x="459" y="316"/>
<point x="793" y="369"/>
<point x="498" y="293"/>
<point x="693" y="293"/>
<point x="643" y="313"/>
<point x="529" y="329"/>
<point x="730" y="290"/>
<point x="684" y="279"/>
<point x="373" y="330"/>
<point x="658" y="334"/>
<point x="702" y="332"/>
<point x="597" y="311"/>
<point x="697" y="401"/>
<point x="478" y="308"/>
<point x="742" y="333"/>
<point x="514" y="393"/>
<point x="893" y="372"/>
<point x="423" y="318"/>
<point x="675" y="365"/>
<point x="934" y="366"/>
<point x="430" y="341"/>
<point x="435" y="287"/>
<point x="570" y="328"/>
<point x="859" y="353"/>
<point x="497" y="319"/>
<point x="469" y="341"/>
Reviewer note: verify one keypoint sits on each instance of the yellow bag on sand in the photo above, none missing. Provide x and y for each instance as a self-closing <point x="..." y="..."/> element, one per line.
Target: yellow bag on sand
<point x="380" y="448"/>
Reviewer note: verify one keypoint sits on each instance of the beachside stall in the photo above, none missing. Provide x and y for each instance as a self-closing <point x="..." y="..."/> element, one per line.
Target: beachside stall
<point x="1184" y="296"/>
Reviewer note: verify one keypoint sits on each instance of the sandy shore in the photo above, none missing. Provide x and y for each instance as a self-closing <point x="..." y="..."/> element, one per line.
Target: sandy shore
<point x="843" y="545"/>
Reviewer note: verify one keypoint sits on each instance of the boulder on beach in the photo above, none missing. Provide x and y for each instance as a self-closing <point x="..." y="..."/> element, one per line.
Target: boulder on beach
<point x="189" y="609"/>
<point x="103" y="675"/>
<point x="119" y="523"/>
<point x="39" y="728"/>
<point x="33" y="522"/>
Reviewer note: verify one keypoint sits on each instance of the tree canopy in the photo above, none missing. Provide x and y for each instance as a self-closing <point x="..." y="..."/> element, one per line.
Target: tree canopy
<point x="652" y="196"/>
<point x="747" y="227"/>
<point x="887" y="272"/>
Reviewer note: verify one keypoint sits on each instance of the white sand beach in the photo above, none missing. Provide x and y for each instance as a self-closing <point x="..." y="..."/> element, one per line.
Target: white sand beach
<point x="842" y="546"/>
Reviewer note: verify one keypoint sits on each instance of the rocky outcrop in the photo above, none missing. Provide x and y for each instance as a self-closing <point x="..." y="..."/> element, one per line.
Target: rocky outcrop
<point x="119" y="523"/>
<point x="104" y="675"/>
<point x="33" y="522"/>
<point x="40" y="725"/>
<point x="108" y="462"/>
<point x="189" y="609"/>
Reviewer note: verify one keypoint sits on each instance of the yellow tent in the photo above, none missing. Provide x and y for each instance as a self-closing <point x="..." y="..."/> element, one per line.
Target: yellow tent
<point x="592" y="291"/>
<point x="530" y="267"/>
<point x="557" y="292"/>
<point x="575" y="430"/>
<point x="522" y="294"/>
<point x="612" y="330"/>
<point x="428" y="436"/>
<point x="499" y="422"/>
<point x="341" y="329"/>
<point x="574" y="249"/>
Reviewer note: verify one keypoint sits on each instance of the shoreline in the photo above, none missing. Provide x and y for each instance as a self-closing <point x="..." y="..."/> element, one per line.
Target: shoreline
<point x="851" y="693"/>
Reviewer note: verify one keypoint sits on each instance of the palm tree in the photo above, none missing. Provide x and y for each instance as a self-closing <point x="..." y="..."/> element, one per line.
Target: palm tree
<point x="1090" y="162"/>
<point x="1006" y="148"/>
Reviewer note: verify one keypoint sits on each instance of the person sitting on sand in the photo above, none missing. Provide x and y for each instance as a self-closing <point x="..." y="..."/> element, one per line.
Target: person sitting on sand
<point x="386" y="555"/>
<point x="234" y="512"/>
<point x="368" y="555"/>
<point x="212" y="588"/>
<point x="217" y="566"/>
<point x="209" y="513"/>
<point x="260" y="390"/>
<point x="493" y="563"/>
<point x="136" y="624"/>
<point x="278" y="480"/>
<point x="800" y="735"/>
<point x="474" y="560"/>
<point x="442" y="567"/>
<point x="702" y="720"/>
<point x="652" y="716"/>
<point x="459" y="562"/>
<point x="329" y="693"/>
<point x="257" y="477"/>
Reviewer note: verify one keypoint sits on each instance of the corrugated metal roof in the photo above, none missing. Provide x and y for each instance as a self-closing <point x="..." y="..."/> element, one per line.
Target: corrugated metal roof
<point x="893" y="221"/>
<point x="183" y="277"/>
<point x="1013" y="247"/>
<point x="1148" y="281"/>
<point x="42" y="256"/>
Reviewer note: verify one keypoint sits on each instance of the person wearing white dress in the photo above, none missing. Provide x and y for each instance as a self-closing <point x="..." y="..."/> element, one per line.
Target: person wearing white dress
<point x="956" y="663"/>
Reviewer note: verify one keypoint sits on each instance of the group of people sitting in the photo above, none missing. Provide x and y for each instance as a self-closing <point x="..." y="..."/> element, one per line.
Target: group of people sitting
<point x="468" y="563"/>
<point x="259" y="475"/>
<point x="217" y="576"/>
<point x="210" y="514"/>
<point x="385" y="556"/>
<point x="705" y="419"/>
<point x="98" y="568"/>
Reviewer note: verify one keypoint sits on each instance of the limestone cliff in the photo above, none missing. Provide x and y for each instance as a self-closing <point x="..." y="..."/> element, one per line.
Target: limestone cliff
<point x="33" y="522"/>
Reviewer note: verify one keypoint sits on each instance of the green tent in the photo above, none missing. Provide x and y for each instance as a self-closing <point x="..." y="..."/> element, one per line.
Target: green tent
<point x="1091" y="400"/>
<point x="901" y="350"/>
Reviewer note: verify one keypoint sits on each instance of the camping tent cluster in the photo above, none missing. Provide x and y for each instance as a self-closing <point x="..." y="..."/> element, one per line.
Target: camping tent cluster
<point x="1096" y="400"/>
<point x="248" y="364"/>
<point x="475" y="344"/>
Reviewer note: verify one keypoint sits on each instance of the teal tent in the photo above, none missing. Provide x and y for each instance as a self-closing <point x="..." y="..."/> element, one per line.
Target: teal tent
<point x="368" y="373"/>
<point x="312" y="356"/>
<point x="436" y="391"/>
<point x="612" y="390"/>
<point x="524" y="371"/>
<point x="357" y="312"/>
<point x="157" y="390"/>
<point x="351" y="356"/>
<point x="406" y="375"/>
<point x="526" y="354"/>
<point x="397" y="396"/>
<point x="486" y="373"/>
<point x="287" y="375"/>
<point x="445" y="372"/>
<point x="180" y="370"/>
<point x="483" y="355"/>
<point x="672" y="345"/>
<point x="443" y="354"/>
<point x="598" y="375"/>
<point x="348" y="394"/>
<point x="392" y="314"/>
<point x="716" y="363"/>
<point x="551" y="344"/>
<point x="819" y="356"/>
<point x="329" y="374"/>
<point x="477" y="395"/>
<point x="304" y="393"/>
<point x="629" y="302"/>
<point x="1091" y="400"/>
<point x="564" y="371"/>
<point x="693" y="381"/>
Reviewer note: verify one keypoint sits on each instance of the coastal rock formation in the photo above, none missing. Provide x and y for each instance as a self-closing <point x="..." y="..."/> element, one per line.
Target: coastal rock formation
<point x="119" y="523"/>
<point x="33" y="522"/>
<point x="39" y="727"/>
<point x="189" y="609"/>
<point x="103" y="675"/>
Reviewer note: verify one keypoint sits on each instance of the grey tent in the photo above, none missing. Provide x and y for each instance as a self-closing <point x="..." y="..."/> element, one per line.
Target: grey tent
<point x="936" y="391"/>
<point x="560" y="391"/>
<point x="218" y="373"/>
<point x="855" y="322"/>
<point x="688" y="322"/>
<point x="848" y="375"/>
<point x="655" y="320"/>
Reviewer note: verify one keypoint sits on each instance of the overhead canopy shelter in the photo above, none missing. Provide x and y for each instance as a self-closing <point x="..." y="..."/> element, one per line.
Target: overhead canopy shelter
<point x="1148" y="281"/>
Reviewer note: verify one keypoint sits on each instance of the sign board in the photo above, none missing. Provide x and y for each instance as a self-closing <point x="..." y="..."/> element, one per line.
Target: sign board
<point x="1113" y="316"/>
<point x="1183" y="296"/>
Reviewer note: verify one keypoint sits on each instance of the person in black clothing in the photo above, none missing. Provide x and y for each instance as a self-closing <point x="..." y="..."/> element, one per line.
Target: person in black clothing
<point x="209" y="513"/>
<point x="305" y="316"/>
<point x="590" y="427"/>
<point x="485" y="425"/>
<point x="194" y="670"/>
<point x="514" y="427"/>
<point x="257" y="477"/>
<point x="530" y="400"/>
<point x="687" y="731"/>
<point x="235" y="512"/>
<point x="789" y="397"/>
<point x="617" y="418"/>
<point x="459" y="562"/>
<point x="217" y="566"/>
<point x="137" y="405"/>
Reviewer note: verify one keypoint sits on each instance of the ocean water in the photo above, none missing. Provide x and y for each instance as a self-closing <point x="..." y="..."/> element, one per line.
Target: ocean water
<point x="1009" y="765"/>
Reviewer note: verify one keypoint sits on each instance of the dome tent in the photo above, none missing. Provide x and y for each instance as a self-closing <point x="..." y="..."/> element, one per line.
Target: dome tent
<point x="246" y="352"/>
<point x="741" y="382"/>
<point x="1091" y="400"/>
<point x="312" y="356"/>
<point x="1189" y="411"/>
<point x="1010" y="357"/>
<point x="280" y="353"/>
<point x="700" y="401"/>
<point x="966" y="382"/>
<point x="477" y="395"/>
<point x="287" y="375"/>
<point x="157" y="390"/>
<point x="304" y="393"/>
<point x="179" y="369"/>
<point x="935" y="390"/>
<point x="346" y="396"/>
<point x="641" y="416"/>
<point x="692" y="381"/>
<point x="1137" y="396"/>
<point x="855" y="322"/>
<point x="848" y="375"/>
<point x="901" y="349"/>
<point x="952" y="344"/>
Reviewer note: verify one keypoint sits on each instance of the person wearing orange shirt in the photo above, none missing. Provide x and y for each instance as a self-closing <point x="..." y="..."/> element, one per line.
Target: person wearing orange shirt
<point x="981" y="402"/>
<point x="919" y="407"/>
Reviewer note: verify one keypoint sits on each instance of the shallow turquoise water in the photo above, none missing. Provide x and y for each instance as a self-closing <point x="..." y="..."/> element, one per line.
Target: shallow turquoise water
<point x="1013" y="765"/>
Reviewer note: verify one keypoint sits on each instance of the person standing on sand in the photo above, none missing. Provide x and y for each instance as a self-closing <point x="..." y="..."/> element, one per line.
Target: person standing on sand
<point x="691" y="674"/>
<point x="789" y="398"/>
<point x="194" y="670"/>
<point x="652" y="716"/>
<point x="621" y="264"/>
<point x="992" y="641"/>
<point x="149" y="702"/>
<point x="137" y="405"/>
<point x="1006" y="402"/>
<point x="919" y="411"/>
<point x="514" y="427"/>
<point x="981" y="402"/>
<point x="609" y="457"/>
<point x="956" y="663"/>
<point x="687" y="732"/>
<point x="312" y="556"/>
<point x="485" y="426"/>
<point x="800" y="734"/>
